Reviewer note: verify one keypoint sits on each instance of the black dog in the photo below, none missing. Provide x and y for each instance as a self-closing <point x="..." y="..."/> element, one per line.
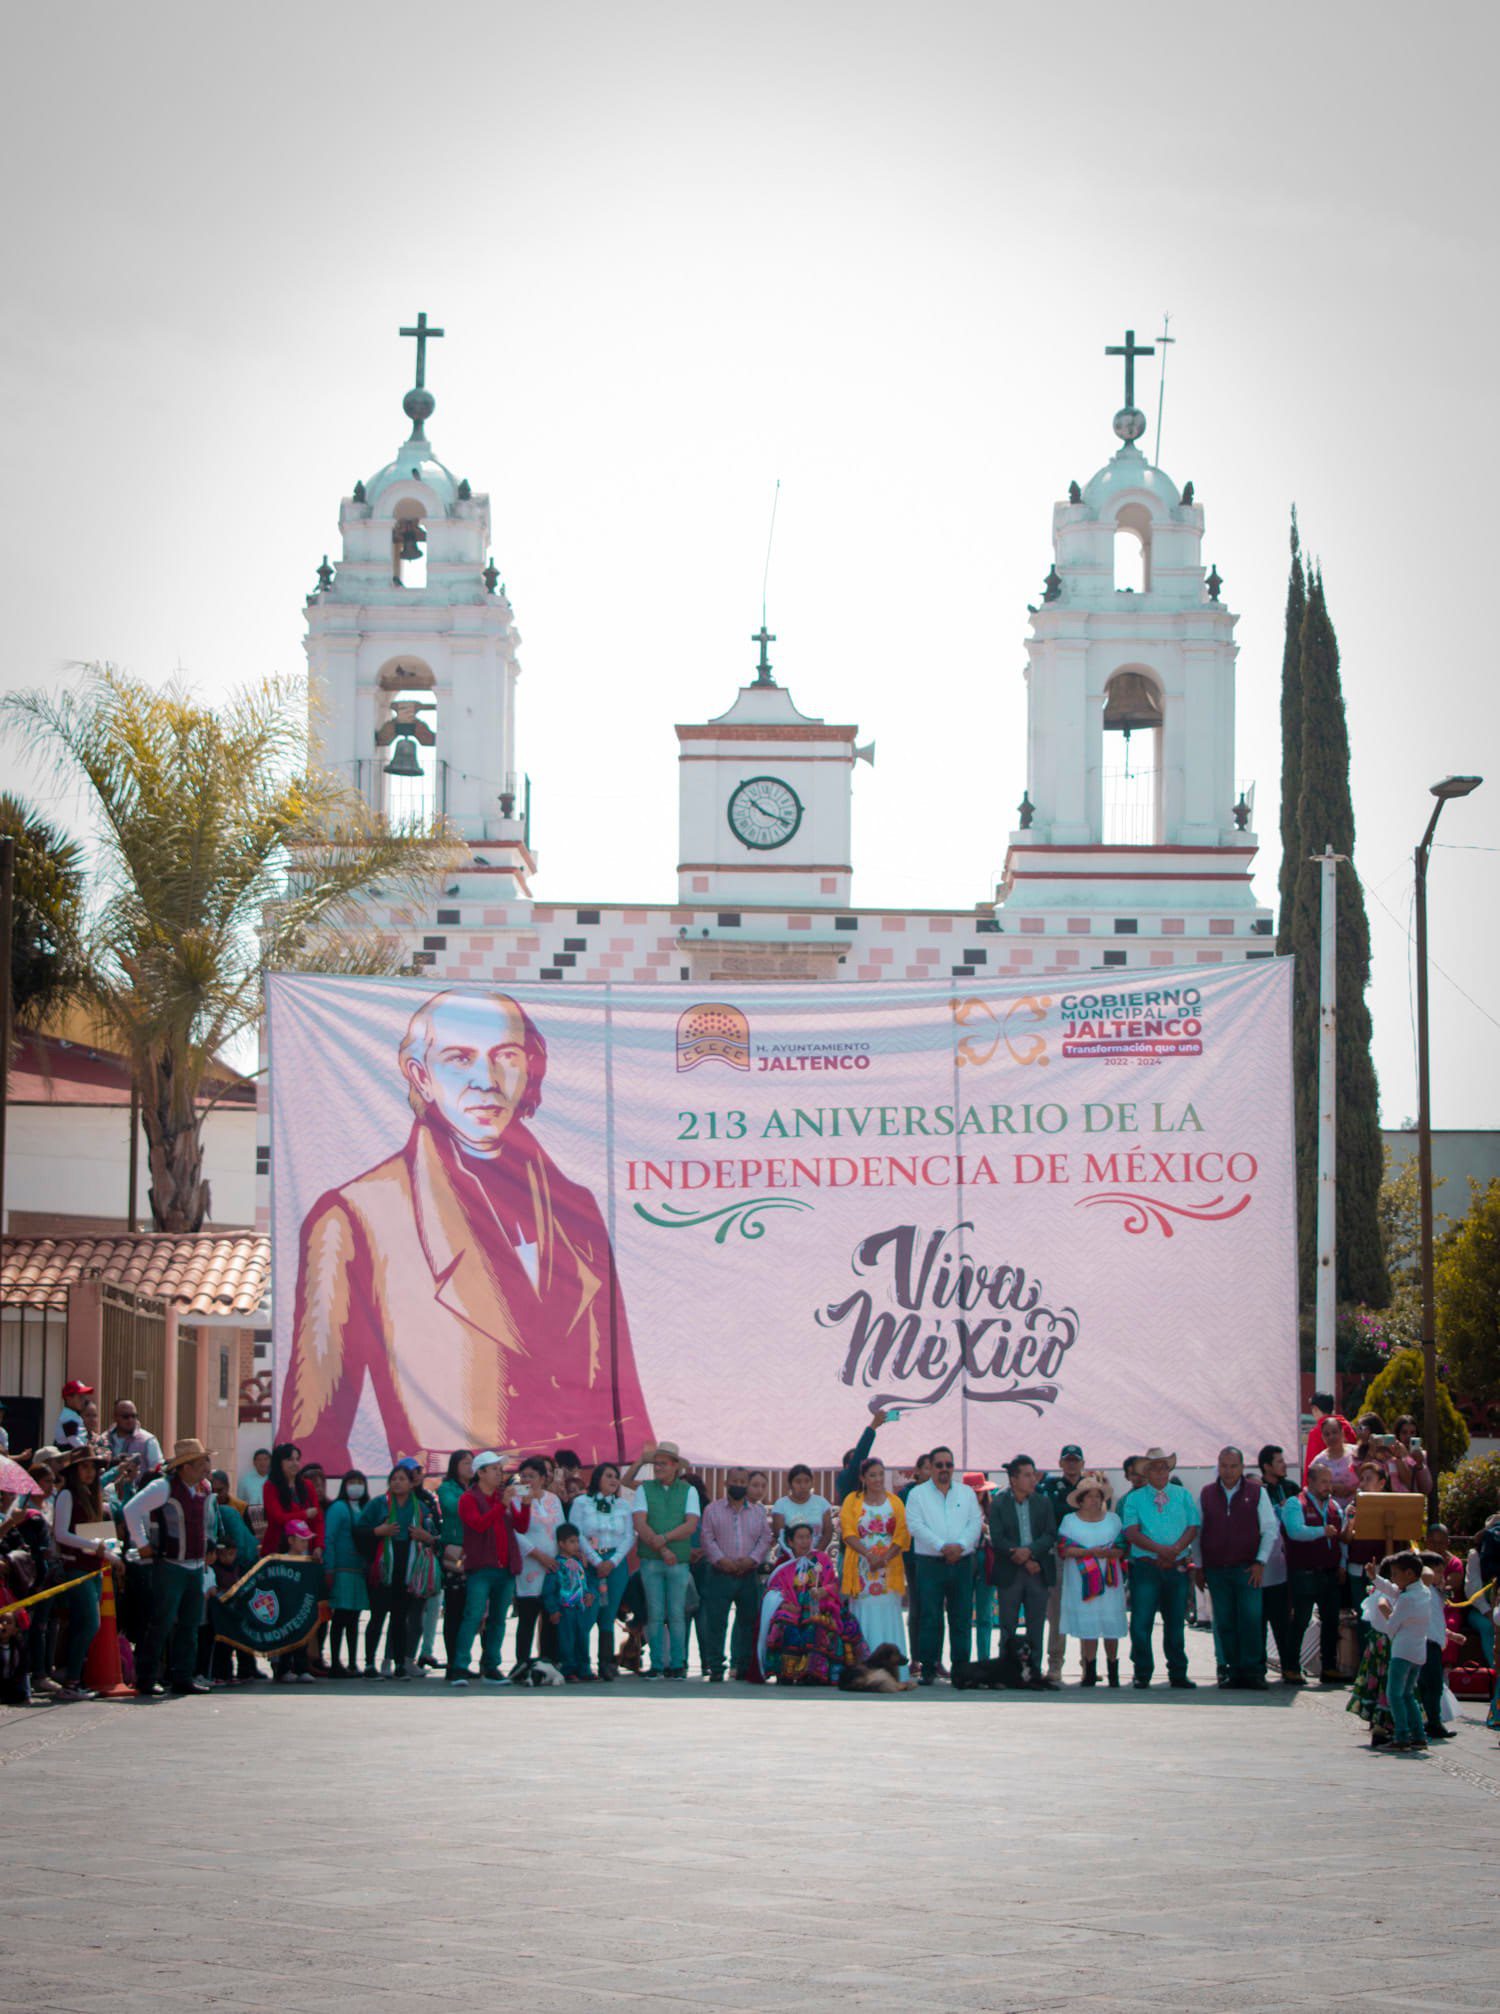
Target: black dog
<point x="1011" y="1671"/>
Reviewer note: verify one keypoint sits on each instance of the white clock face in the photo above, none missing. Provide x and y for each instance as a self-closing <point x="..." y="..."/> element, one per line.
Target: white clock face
<point x="764" y="812"/>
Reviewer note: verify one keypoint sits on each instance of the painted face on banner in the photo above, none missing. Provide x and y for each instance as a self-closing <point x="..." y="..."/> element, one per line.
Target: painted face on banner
<point x="475" y="1070"/>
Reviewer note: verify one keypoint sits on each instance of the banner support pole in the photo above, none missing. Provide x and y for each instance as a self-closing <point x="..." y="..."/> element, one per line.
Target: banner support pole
<point x="1326" y="1343"/>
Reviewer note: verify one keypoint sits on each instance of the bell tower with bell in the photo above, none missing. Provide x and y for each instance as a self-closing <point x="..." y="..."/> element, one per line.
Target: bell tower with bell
<point x="1133" y="826"/>
<point x="411" y="650"/>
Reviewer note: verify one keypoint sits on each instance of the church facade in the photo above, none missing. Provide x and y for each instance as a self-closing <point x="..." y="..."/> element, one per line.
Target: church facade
<point x="1132" y="848"/>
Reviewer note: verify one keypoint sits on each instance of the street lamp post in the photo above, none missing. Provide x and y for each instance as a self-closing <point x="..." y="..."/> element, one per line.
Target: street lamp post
<point x="1451" y="786"/>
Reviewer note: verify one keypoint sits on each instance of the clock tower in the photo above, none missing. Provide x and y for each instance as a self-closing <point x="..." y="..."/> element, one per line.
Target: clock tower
<point x="764" y="803"/>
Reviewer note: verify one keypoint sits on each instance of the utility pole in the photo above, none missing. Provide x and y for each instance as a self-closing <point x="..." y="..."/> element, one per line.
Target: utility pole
<point x="1451" y="786"/>
<point x="1326" y="1332"/>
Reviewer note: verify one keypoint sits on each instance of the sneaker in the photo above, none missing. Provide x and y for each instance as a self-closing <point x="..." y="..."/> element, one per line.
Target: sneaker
<point x="307" y="1678"/>
<point x="651" y="1676"/>
<point x="400" y="1675"/>
<point x="429" y="1664"/>
<point x="1441" y="1734"/>
<point x="461" y="1678"/>
<point x="572" y="1678"/>
<point x="678" y="1673"/>
<point x="66" y="1694"/>
<point x="492" y="1678"/>
<point x="370" y="1672"/>
<point x="1141" y="1684"/>
<point x="715" y="1677"/>
<point x="386" y="1667"/>
<point x="50" y="1686"/>
<point x="1183" y="1684"/>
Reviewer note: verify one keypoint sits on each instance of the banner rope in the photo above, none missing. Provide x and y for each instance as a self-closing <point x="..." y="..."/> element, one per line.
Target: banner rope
<point x="48" y="1592"/>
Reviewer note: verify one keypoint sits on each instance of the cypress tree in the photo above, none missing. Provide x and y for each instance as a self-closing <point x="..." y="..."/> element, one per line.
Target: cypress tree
<point x="1325" y="817"/>
<point x="1291" y="743"/>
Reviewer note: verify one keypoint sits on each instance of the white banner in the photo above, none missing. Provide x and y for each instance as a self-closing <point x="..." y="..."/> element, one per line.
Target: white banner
<point x="743" y="1220"/>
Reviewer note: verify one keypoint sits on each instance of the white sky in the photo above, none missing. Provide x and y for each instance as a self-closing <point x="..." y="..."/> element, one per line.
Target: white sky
<point x="680" y="250"/>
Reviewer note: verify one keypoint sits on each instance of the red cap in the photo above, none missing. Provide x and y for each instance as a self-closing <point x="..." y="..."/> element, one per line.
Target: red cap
<point x="75" y="1388"/>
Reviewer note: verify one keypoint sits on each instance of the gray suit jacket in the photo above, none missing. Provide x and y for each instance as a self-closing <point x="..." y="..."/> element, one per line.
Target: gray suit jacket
<point x="1005" y="1533"/>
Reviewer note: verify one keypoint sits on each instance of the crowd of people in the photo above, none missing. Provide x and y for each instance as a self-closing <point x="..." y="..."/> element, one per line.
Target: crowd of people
<point x="891" y="1583"/>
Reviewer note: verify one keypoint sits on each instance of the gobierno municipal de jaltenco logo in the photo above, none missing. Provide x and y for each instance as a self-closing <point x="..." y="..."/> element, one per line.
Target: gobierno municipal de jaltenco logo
<point x="1146" y="1022"/>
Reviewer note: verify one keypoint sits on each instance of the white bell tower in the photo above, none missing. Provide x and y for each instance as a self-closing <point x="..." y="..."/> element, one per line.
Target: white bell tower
<point x="1132" y="818"/>
<point x="411" y="650"/>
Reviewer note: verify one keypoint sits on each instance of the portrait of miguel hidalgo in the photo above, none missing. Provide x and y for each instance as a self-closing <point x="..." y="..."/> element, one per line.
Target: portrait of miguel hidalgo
<point x="467" y="1278"/>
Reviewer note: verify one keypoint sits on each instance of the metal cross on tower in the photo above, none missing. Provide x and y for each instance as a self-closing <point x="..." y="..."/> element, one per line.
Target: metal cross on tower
<point x="1129" y="350"/>
<point x="763" y="636"/>
<point x="424" y="335"/>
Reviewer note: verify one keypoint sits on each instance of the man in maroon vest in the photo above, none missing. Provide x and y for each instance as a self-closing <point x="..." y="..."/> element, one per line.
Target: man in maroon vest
<point x="1236" y="1533"/>
<point x="1313" y="1524"/>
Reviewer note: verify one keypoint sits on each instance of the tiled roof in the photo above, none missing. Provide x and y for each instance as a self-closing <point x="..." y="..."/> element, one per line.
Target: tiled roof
<point x="202" y="1273"/>
<point x="46" y="1070"/>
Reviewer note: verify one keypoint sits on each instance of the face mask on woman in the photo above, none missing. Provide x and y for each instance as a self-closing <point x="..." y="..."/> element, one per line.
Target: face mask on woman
<point x="355" y="1493"/>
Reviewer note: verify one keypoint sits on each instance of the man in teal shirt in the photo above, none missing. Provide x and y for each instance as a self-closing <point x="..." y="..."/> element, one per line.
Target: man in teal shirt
<point x="1160" y="1526"/>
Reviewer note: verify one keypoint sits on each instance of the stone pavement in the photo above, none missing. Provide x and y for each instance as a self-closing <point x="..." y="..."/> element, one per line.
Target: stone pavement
<point x="635" y="1847"/>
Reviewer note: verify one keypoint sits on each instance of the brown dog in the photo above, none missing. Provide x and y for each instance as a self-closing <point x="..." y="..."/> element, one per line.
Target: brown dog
<point x="878" y="1673"/>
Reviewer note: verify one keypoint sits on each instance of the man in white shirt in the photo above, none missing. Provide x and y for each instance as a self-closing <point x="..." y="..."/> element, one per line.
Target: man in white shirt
<point x="946" y="1526"/>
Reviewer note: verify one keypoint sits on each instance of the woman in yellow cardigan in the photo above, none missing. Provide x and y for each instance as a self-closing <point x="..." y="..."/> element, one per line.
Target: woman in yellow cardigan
<point x="872" y="1524"/>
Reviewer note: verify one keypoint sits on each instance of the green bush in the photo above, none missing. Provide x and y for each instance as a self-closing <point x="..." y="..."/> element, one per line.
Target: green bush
<point x="1471" y="1495"/>
<point x="1398" y="1390"/>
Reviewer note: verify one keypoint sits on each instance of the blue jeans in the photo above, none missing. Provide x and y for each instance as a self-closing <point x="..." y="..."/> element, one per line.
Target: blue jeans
<point x="666" y="1585"/>
<point x="1239" y="1621"/>
<point x="1155" y="1589"/>
<point x="608" y="1594"/>
<point x="984" y="1617"/>
<point x="1401" y="1691"/>
<point x="83" y="1625"/>
<point x="487" y="1594"/>
<point x="573" y="1641"/>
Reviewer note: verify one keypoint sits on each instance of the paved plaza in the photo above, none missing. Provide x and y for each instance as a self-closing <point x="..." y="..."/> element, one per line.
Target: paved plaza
<point x="358" y="1847"/>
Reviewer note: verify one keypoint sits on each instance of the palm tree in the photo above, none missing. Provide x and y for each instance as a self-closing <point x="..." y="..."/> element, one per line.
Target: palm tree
<point x="47" y="963"/>
<point x="222" y="857"/>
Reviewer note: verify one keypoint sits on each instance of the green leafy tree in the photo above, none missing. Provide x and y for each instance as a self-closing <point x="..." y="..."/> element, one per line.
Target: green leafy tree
<point x="1398" y="1390"/>
<point x="48" y="965"/>
<point x="1470" y="1497"/>
<point x="1466" y="1277"/>
<point x="1325" y="817"/>
<point x="222" y="856"/>
<point x="1401" y="1241"/>
<point x="1291" y="740"/>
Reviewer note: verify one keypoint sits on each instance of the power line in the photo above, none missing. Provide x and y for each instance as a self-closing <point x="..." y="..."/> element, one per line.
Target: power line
<point x="1407" y="933"/>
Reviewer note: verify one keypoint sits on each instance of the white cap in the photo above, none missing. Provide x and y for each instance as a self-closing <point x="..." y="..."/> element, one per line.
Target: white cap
<point x="486" y="1461"/>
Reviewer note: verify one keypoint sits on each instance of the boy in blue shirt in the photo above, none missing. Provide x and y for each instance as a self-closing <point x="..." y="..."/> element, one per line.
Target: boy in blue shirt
<point x="566" y="1601"/>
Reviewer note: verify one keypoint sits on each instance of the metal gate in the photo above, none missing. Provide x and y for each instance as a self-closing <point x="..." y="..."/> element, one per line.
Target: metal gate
<point x="133" y="1360"/>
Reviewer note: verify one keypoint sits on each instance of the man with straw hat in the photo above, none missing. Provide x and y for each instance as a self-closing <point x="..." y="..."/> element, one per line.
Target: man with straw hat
<point x="172" y="1522"/>
<point x="1161" y="1524"/>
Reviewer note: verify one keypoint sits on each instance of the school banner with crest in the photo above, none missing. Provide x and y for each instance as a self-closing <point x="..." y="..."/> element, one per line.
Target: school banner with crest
<point x="743" y="1220"/>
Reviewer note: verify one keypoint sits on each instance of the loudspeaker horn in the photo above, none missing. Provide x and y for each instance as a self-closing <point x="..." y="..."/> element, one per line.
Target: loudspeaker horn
<point x="864" y="751"/>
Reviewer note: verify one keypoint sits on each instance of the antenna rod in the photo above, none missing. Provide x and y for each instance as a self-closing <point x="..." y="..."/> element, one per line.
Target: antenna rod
<point x="1161" y="385"/>
<point x="765" y="577"/>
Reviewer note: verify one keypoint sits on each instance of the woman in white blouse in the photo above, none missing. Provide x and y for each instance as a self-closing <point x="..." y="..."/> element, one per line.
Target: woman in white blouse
<point x="77" y="1502"/>
<point x="538" y="1546"/>
<point x="605" y="1517"/>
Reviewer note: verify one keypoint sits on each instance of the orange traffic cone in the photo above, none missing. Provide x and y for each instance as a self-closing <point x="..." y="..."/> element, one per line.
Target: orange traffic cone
<point x="102" y="1672"/>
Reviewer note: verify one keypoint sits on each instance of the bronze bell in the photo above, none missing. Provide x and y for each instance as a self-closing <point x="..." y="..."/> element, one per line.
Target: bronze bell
<point x="1130" y="702"/>
<point x="411" y="539"/>
<point x="403" y="760"/>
